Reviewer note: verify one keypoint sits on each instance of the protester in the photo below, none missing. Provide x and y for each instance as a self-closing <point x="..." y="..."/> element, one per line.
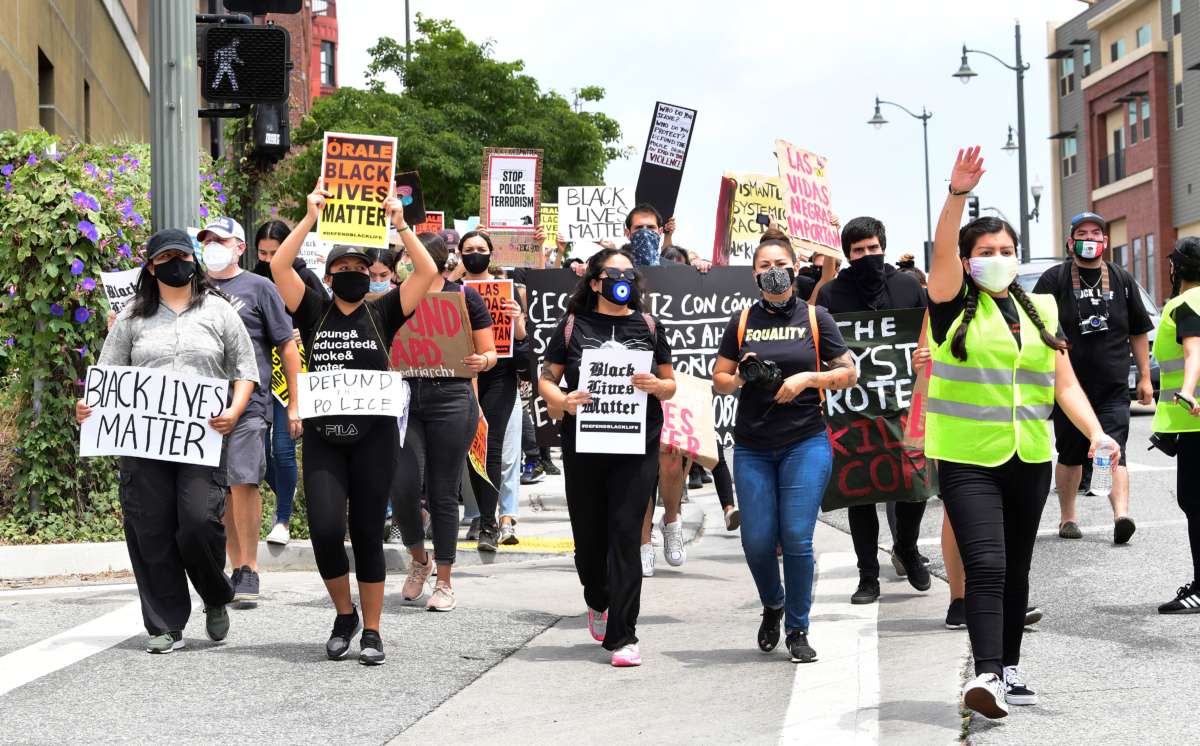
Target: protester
<point x="774" y="351"/>
<point x="608" y="494"/>
<point x="986" y="423"/>
<point x="908" y="264"/>
<point x="172" y="511"/>
<point x="1103" y="317"/>
<point x="341" y="453"/>
<point x="270" y="328"/>
<point x="868" y="283"/>
<point x="382" y="271"/>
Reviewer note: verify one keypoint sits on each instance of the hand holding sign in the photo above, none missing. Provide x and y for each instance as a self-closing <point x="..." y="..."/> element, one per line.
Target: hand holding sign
<point x="574" y="400"/>
<point x="650" y="383"/>
<point x="316" y="199"/>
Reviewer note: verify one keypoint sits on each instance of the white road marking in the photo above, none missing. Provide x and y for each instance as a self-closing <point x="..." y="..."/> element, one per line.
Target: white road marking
<point x="68" y="590"/>
<point x="836" y="699"/>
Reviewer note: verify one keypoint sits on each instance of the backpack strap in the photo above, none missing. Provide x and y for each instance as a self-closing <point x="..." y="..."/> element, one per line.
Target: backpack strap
<point x="742" y="327"/>
<point x="815" y="331"/>
<point x="651" y="325"/>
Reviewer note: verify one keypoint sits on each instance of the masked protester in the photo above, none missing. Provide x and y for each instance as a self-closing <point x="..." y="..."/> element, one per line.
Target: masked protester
<point x="997" y="372"/>
<point x="1102" y="314"/>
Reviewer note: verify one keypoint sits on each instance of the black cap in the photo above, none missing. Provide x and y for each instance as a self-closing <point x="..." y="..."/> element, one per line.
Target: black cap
<point x="343" y="250"/>
<point x="1089" y="217"/>
<point x="168" y="239"/>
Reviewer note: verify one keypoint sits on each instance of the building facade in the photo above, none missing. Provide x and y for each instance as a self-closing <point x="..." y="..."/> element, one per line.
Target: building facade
<point x="1123" y="73"/>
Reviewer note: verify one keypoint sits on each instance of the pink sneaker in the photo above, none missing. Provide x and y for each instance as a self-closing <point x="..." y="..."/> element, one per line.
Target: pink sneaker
<point x="626" y="656"/>
<point x="597" y="624"/>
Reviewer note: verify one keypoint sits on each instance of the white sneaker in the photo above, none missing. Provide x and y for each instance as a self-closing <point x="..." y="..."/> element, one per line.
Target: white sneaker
<point x="279" y="535"/>
<point x="985" y="694"/>
<point x="1015" y="690"/>
<point x="674" y="552"/>
<point x="647" y="560"/>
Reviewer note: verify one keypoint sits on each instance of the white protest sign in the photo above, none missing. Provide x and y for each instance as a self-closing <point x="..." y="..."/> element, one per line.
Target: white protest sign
<point x="313" y="251"/>
<point x="594" y="213"/>
<point x="155" y="414"/>
<point x="352" y="392"/>
<point x="669" y="135"/>
<point x="119" y="287"/>
<point x="615" y="419"/>
<point x="510" y="189"/>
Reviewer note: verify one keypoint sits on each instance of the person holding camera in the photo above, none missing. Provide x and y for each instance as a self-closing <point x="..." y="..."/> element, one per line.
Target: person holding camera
<point x="1102" y="315"/>
<point x="782" y="353"/>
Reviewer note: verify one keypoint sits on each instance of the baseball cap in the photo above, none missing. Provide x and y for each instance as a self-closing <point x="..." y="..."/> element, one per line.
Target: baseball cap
<point x="1089" y="217"/>
<point x="223" y="227"/>
<point x="343" y="250"/>
<point x="168" y="239"/>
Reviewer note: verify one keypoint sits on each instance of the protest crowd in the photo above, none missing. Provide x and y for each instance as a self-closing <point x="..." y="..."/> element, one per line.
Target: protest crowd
<point x="413" y="378"/>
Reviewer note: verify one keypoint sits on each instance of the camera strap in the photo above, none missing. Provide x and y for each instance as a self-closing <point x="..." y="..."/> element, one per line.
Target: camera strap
<point x="813" y="329"/>
<point x="1077" y="288"/>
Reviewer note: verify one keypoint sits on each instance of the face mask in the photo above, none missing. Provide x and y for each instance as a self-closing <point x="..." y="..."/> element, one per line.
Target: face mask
<point x="476" y="264"/>
<point x="620" y="292"/>
<point x="263" y="269"/>
<point x="1088" y="249"/>
<point x="350" y="286"/>
<point x="645" y="244"/>
<point x="217" y="256"/>
<point x="776" y="280"/>
<point x="867" y="272"/>
<point x="175" y="272"/>
<point x="380" y="287"/>
<point x="994" y="273"/>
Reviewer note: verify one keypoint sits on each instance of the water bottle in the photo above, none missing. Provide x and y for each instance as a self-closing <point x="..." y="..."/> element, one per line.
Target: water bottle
<point x="1102" y="468"/>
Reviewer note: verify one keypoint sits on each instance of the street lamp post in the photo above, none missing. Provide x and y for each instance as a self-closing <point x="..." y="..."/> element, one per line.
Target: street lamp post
<point x="965" y="73"/>
<point x="877" y="121"/>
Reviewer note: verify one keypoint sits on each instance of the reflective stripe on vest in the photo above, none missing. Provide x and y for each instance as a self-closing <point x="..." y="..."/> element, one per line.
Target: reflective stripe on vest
<point x="995" y="376"/>
<point x="966" y="411"/>
<point x="1169" y="417"/>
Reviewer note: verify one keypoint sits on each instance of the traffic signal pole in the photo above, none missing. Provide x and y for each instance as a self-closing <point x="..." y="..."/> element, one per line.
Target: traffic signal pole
<point x="174" y="128"/>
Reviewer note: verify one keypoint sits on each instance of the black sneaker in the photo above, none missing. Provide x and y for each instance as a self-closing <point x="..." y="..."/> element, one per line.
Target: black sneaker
<point x="245" y="590"/>
<point x="802" y="652"/>
<point x="868" y="591"/>
<point x="548" y="467"/>
<point x="532" y="472"/>
<point x="1015" y="690"/>
<point x="917" y="573"/>
<point x="345" y="627"/>
<point x="1033" y="615"/>
<point x="897" y="565"/>
<point x="234" y="576"/>
<point x="488" y="540"/>
<point x="1186" y="601"/>
<point x="695" y="482"/>
<point x="956" y="615"/>
<point x="371" y="649"/>
<point x="473" y="529"/>
<point x="768" y="629"/>
<point x="1123" y="530"/>
<point x="705" y="477"/>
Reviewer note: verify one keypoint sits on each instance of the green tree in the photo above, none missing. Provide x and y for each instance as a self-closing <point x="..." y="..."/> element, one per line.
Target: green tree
<point x="457" y="100"/>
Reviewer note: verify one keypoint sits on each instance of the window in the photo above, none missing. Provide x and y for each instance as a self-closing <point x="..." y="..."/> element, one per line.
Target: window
<point x="320" y="7"/>
<point x="1119" y="256"/>
<point x="1145" y="119"/>
<point x="1116" y="50"/>
<point x="1133" y="122"/>
<point x="1151" y="267"/>
<point x="45" y="92"/>
<point x="328" y="74"/>
<point x="1087" y="60"/>
<point x="1139" y="264"/>
<point x="1143" y="36"/>
<point x="1070" y="147"/>
<point x="1176" y="25"/>
<point x="1066" y="75"/>
<point x="1178" y="105"/>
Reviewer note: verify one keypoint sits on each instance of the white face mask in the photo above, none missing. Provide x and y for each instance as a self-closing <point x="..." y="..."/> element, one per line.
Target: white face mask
<point x="993" y="273"/>
<point x="217" y="256"/>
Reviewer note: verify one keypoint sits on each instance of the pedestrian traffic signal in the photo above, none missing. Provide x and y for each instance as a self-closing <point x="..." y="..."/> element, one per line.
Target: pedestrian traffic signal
<point x="246" y="64"/>
<point x="262" y="7"/>
<point x="972" y="208"/>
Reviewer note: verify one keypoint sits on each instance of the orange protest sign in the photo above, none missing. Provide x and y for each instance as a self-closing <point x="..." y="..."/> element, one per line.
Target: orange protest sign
<point x="435" y="340"/>
<point x="688" y="421"/>
<point x="435" y="222"/>
<point x="357" y="170"/>
<point x="477" y="456"/>
<point x="496" y="294"/>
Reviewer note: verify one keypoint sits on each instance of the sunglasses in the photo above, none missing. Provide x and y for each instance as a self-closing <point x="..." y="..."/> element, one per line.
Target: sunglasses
<point x="627" y="275"/>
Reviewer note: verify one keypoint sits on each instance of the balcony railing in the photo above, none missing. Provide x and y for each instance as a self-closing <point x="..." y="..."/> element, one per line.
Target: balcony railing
<point x="1112" y="168"/>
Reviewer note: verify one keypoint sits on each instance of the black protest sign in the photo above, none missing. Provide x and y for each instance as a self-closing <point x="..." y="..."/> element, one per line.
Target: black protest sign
<point x="666" y="152"/>
<point x="866" y="422"/>
<point x="408" y="189"/>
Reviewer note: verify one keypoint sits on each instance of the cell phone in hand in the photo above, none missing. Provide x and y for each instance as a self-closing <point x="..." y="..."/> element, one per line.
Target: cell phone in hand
<point x="763" y="219"/>
<point x="1185" y="402"/>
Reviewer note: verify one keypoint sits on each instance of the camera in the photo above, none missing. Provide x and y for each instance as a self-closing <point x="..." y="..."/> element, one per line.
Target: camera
<point x="763" y="374"/>
<point x="1093" y="323"/>
<point x="1168" y="443"/>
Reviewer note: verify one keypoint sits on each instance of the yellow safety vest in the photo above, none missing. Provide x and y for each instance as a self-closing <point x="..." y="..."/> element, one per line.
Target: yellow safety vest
<point x="1169" y="417"/>
<point x="997" y="402"/>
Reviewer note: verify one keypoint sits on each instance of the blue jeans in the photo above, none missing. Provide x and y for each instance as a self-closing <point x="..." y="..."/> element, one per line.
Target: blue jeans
<point x="510" y="469"/>
<point x="282" y="474"/>
<point x="779" y="494"/>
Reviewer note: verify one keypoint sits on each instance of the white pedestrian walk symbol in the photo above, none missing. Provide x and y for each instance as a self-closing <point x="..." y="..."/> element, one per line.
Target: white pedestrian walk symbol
<point x="225" y="59"/>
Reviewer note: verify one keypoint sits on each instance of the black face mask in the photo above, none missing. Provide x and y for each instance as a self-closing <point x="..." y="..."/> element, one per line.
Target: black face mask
<point x="779" y="309"/>
<point x="477" y="264"/>
<point x="351" y="286"/>
<point x="621" y="292"/>
<point x="263" y="269"/>
<point x="175" y="272"/>
<point x="867" y="272"/>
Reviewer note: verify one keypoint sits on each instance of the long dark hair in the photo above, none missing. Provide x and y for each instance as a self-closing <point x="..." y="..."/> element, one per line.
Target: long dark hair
<point x="272" y="230"/>
<point x="1185" y="263"/>
<point x="967" y="237"/>
<point x="585" y="299"/>
<point x="437" y="248"/>
<point x="146" y="297"/>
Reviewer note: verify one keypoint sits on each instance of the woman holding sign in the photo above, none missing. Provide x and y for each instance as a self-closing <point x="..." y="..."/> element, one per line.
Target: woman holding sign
<point x="608" y="492"/>
<point x="177" y="321"/>
<point x="342" y="453"/>
<point x="996" y="375"/>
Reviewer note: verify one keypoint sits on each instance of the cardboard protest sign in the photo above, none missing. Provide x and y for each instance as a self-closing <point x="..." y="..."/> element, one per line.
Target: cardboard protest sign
<point x="477" y="455"/>
<point x="614" y="421"/>
<point x="510" y="191"/>
<point x="666" y="152"/>
<point x="549" y="222"/>
<point x="151" y="413"/>
<point x="804" y="180"/>
<point x="357" y="170"/>
<point x="119" y="287"/>
<point x="914" y="431"/>
<point x="688" y="420"/>
<point x="435" y="222"/>
<point x="352" y="392"/>
<point x="753" y="195"/>
<point x="279" y="387"/>
<point x="313" y="251"/>
<point x="435" y="340"/>
<point x="593" y="213"/>
<point x="466" y="226"/>
<point x="866" y="422"/>
<point x="511" y="249"/>
<point x="495" y="294"/>
<point x="408" y="189"/>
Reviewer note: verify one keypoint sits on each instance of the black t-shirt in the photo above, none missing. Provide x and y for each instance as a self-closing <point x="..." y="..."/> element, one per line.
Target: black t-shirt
<point x="785" y="340"/>
<point x="1187" y="323"/>
<point x="596" y="330"/>
<point x="942" y="315"/>
<point x="1100" y="358"/>
<point x="360" y="341"/>
<point x="900" y="290"/>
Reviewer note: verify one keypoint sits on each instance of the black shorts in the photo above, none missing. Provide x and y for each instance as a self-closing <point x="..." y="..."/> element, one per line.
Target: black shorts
<point x="1072" y="445"/>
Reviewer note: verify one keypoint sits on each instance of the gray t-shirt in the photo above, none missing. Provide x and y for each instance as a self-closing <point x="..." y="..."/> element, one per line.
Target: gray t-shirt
<point x="267" y="320"/>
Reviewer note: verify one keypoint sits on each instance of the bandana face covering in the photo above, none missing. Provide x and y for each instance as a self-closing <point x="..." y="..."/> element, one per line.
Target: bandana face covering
<point x="994" y="273"/>
<point x="867" y="273"/>
<point x="645" y="244"/>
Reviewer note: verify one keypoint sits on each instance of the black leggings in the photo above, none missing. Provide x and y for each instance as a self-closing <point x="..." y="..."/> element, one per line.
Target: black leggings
<point x="723" y="480"/>
<point x="864" y="530"/>
<point x="995" y="513"/>
<point x="497" y="394"/>
<point x="341" y="479"/>
<point x="1187" y="492"/>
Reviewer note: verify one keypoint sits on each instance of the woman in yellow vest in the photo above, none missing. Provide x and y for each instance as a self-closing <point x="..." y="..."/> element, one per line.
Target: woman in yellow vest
<point x="996" y="375"/>
<point x="1177" y="349"/>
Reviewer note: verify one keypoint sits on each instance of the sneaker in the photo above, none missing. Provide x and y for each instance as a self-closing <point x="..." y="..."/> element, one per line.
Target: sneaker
<point x="597" y="624"/>
<point x="917" y="573"/>
<point x="674" y="551"/>
<point x="418" y="574"/>
<point x="1186" y="601"/>
<point x="733" y="519"/>
<point x="532" y="472"/>
<point x="956" y="615"/>
<point x="234" y="577"/>
<point x="985" y="694"/>
<point x="897" y="565"/>
<point x="548" y="467"/>
<point x="370" y="648"/>
<point x="280" y="535"/>
<point x="245" y="590"/>
<point x="705" y="477"/>
<point x="1033" y="615"/>
<point x="1015" y="690"/>
<point x="426" y="524"/>
<point x="393" y="535"/>
<point x="487" y="540"/>
<point x="768" y="628"/>
<point x="801" y="651"/>
<point x="626" y="656"/>
<point x="508" y="534"/>
<point x="442" y="598"/>
<point x="167" y="642"/>
<point x="1070" y="530"/>
<point x="647" y="560"/>
<point x="695" y="482"/>
<point x="867" y="592"/>
<point x="216" y="622"/>
<point x="1123" y="530"/>
<point x="345" y="627"/>
<point x="473" y="530"/>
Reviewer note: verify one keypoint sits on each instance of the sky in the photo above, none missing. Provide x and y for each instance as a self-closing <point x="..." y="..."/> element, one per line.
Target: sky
<point x="798" y="70"/>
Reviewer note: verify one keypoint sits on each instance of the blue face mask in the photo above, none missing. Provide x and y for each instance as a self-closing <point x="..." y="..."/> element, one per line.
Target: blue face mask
<point x="645" y="244"/>
<point x="380" y="287"/>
